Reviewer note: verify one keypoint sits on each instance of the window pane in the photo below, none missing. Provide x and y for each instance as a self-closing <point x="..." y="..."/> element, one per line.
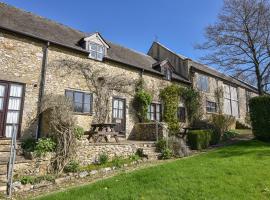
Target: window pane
<point x="120" y="114"/>
<point x="9" y="130"/>
<point x="87" y="98"/>
<point x="78" y="107"/>
<point x="121" y="104"/>
<point x="99" y="49"/>
<point x="99" y="56"/>
<point x="86" y="108"/>
<point x="2" y="90"/>
<point x="227" y="91"/>
<point x="158" y="117"/>
<point x="233" y="93"/>
<point x="1" y="103"/>
<point x="78" y="97"/>
<point x="114" y="113"/>
<point x="115" y="104"/>
<point x="16" y="90"/>
<point x="152" y="116"/>
<point x="235" y="108"/>
<point x="157" y="108"/>
<point x="13" y="117"/>
<point x="227" y="107"/>
<point x="93" y="47"/>
<point x="93" y="54"/>
<point x="14" y="103"/>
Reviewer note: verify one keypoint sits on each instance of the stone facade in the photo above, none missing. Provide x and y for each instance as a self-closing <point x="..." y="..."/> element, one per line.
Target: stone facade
<point x="21" y="61"/>
<point x="213" y="84"/>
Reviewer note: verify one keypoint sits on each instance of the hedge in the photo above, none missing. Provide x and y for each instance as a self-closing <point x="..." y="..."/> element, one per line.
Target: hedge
<point x="199" y="139"/>
<point x="260" y="117"/>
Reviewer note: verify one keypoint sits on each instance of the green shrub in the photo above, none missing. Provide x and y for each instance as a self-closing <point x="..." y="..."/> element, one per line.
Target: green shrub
<point x="229" y="134"/>
<point x="72" y="166"/>
<point x="215" y="136"/>
<point x="134" y="157"/>
<point x="118" y="162"/>
<point x="166" y="154"/>
<point x="199" y="139"/>
<point x="161" y="145"/>
<point x="29" y="144"/>
<point x="260" y="117"/>
<point x="44" y="145"/>
<point x="103" y="158"/>
<point x="78" y="132"/>
<point x="141" y="102"/>
<point x="35" y="179"/>
<point x="222" y="123"/>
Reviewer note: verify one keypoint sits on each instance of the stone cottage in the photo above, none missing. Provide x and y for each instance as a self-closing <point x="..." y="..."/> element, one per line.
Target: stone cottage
<point x="31" y="47"/>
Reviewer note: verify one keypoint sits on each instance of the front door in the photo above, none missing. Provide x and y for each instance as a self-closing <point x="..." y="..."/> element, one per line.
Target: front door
<point x="11" y="100"/>
<point x="119" y="114"/>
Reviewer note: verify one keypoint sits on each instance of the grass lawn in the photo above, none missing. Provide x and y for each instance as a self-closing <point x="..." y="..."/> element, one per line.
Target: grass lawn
<point x="240" y="171"/>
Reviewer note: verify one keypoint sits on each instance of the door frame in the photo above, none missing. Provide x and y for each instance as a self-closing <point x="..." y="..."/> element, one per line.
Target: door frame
<point x="124" y="109"/>
<point x="8" y="83"/>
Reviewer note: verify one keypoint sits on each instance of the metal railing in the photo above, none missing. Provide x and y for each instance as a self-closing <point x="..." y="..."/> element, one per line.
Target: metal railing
<point x="12" y="158"/>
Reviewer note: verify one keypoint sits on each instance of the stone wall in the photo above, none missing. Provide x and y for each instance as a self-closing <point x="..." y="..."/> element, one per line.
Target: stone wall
<point x="210" y="96"/>
<point x="148" y="131"/>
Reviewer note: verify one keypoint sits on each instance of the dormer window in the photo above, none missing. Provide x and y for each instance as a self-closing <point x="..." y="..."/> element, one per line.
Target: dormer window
<point x="96" y="46"/>
<point x="168" y="74"/>
<point x="96" y="51"/>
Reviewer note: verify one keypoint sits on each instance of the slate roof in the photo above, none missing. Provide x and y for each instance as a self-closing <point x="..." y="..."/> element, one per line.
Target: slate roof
<point x="17" y="20"/>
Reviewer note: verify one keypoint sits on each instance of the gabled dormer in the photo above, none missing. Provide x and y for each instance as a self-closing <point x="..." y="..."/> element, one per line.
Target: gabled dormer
<point x="96" y="46"/>
<point x="165" y="68"/>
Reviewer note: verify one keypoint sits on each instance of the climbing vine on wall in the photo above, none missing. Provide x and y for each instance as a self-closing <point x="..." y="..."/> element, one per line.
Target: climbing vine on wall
<point x="192" y="101"/>
<point x="170" y="97"/>
<point x="142" y="100"/>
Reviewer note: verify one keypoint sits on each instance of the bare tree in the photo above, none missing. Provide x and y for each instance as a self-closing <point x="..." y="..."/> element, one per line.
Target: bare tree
<point x="239" y="42"/>
<point x="100" y="81"/>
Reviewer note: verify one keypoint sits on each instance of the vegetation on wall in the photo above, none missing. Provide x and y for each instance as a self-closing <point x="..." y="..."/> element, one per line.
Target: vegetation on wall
<point x="141" y="101"/>
<point x="260" y="117"/>
<point x="192" y="100"/>
<point x="170" y="97"/>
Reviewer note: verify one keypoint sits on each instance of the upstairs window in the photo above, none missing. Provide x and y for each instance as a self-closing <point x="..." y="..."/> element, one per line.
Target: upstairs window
<point x="82" y="102"/>
<point x="211" y="106"/>
<point x="96" y="51"/>
<point x="168" y="74"/>
<point x="202" y="83"/>
<point x="154" y="112"/>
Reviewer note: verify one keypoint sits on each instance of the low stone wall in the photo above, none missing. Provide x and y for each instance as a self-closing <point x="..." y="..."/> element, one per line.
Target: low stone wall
<point x="88" y="153"/>
<point x="148" y="131"/>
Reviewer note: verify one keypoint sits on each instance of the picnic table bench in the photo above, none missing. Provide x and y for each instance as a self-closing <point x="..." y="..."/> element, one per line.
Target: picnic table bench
<point x="101" y="131"/>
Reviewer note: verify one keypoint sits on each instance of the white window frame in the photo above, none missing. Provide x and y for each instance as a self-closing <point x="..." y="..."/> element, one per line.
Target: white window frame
<point x="210" y="108"/>
<point x="94" y="53"/>
<point x="231" y="100"/>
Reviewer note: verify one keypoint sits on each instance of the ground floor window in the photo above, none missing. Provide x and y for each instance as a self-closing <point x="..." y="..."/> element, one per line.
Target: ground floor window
<point x="181" y="114"/>
<point x="11" y="101"/>
<point x="82" y="101"/>
<point x="211" y="106"/>
<point x="154" y="112"/>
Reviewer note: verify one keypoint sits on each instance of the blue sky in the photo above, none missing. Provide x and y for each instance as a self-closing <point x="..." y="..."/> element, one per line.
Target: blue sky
<point x="178" y="24"/>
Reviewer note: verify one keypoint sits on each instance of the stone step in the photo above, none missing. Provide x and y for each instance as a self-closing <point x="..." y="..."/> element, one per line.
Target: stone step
<point x="4" y="148"/>
<point x="3" y="188"/>
<point x="5" y="154"/>
<point x="3" y="178"/>
<point x="7" y="141"/>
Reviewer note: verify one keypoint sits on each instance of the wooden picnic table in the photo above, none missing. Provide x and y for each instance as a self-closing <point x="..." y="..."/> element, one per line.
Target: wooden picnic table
<point x="101" y="131"/>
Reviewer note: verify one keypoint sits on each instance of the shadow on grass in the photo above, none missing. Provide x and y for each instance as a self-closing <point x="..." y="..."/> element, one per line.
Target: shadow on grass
<point x="252" y="148"/>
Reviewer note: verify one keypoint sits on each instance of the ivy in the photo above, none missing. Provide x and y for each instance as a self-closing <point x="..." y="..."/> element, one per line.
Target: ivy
<point x="192" y="100"/>
<point x="142" y="100"/>
<point x="170" y="97"/>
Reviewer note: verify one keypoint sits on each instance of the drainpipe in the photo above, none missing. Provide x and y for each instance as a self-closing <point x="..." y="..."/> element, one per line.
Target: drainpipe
<point x="42" y="87"/>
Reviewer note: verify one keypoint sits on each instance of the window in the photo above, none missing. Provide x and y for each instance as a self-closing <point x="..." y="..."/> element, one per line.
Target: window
<point x="231" y="106"/>
<point x="202" y="83"/>
<point x="181" y="114"/>
<point x="96" y="51"/>
<point x="248" y="97"/>
<point x="168" y="74"/>
<point x="154" y="112"/>
<point x="82" y="102"/>
<point x="211" y="106"/>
